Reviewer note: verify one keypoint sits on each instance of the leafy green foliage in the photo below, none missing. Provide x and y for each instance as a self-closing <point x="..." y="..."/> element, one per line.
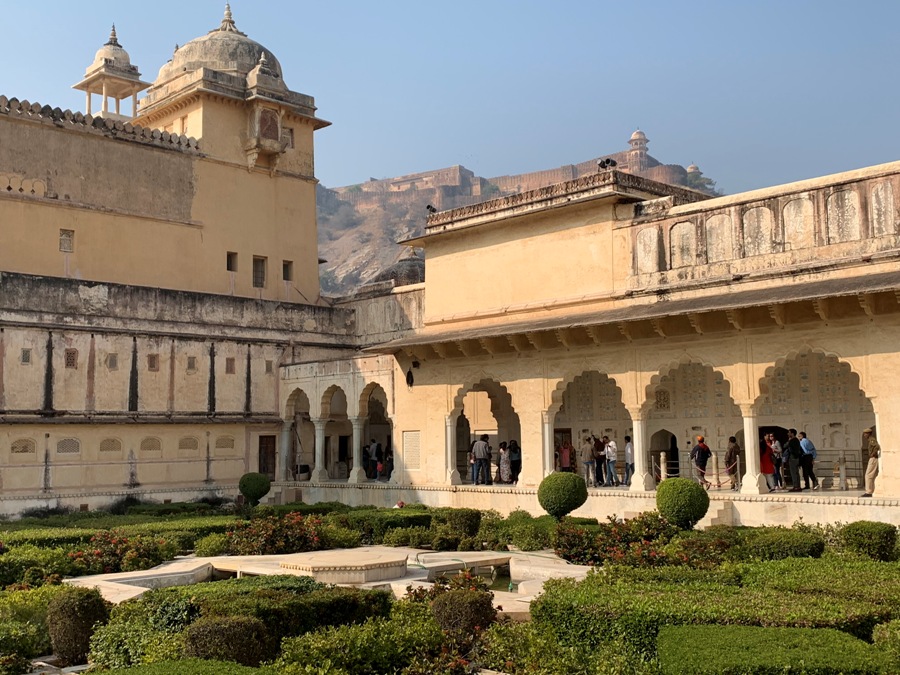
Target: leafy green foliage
<point x="638" y="541"/>
<point x="767" y="651"/>
<point x="189" y="667"/>
<point x="211" y="545"/>
<point x="254" y="486"/>
<point x="465" y="522"/>
<point x="682" y="501"/>
<point x="271" y="535"/>
<point x="463" y="613"/>
<point x="116" y="551"/>
<point x="382" y="645"/>
<point x="873" y="539"/>
<point x="886" y="637"/>
<point x="242" y="639"/>
<point x="33" y="562"/>
<point x="416" y="537"/>
<point x="777" y="543"/>
<point x="71" y="616"/>
<point x="561" y="493"/>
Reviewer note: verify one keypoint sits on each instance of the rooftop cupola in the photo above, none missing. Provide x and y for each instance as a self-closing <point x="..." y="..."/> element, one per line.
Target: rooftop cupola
<point x="111" y="76"/>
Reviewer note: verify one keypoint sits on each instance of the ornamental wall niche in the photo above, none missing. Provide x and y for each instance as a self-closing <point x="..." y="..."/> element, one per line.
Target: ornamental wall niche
<point x="759" y="232"/>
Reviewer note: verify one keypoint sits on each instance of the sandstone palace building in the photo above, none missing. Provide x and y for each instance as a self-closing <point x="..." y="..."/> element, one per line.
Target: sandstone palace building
<point x="162" y="330"/>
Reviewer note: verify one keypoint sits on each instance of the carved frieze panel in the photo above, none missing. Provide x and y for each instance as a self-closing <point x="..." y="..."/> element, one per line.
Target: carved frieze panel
<point x="759" y="232"/>
<point x="842" y="216"/>
<point x="683" y="245"/>
<point x="881" y="210"/>
<point x="719" y="238"/>
<point x="799" y="224"/>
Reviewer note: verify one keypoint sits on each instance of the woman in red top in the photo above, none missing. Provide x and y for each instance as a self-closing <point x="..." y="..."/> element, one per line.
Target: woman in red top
<point x="767" y="463"/>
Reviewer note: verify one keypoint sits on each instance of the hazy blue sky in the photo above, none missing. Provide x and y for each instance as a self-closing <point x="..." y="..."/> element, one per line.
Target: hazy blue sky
<point x="756" y="93"/>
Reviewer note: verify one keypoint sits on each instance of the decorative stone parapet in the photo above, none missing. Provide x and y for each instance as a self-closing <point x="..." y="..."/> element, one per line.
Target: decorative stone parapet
<point x="66" y="119"/>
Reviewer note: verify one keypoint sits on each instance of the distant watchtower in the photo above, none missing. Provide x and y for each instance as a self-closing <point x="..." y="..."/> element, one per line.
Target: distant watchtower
<point x="111" y="75"/>
<point x="637" y="156"/>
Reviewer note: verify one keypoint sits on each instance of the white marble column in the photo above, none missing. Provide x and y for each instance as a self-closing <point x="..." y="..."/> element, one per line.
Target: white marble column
<point x="548" y="461"/>
<point x="284" y="453"/>
<point x="453" y="477"/>
<point x="753" y="482"/>
<point x="643" y="480"/>
<point x="357" y="473"/>
<point x="320" y="471"/>
<point x="105" y="105"/>
<point x="88" y="104"/>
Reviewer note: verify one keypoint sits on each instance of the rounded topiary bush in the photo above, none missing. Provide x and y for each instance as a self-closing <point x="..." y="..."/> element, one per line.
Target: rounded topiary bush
<point x="211" y="545"/>
<point x="242" y="639"/>
<point x="873" y="539"/>
<point x="254" y="486"/>
<point x="71" y="617"/>
<point x="682" y="501"/>
<point x="462" y="613"/>
<point x="561" y="493"/>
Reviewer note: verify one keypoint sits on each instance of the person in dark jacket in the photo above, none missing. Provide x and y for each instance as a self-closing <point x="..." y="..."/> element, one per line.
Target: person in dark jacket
<point x="794" y="453"/>
<point x="700" y="455"/>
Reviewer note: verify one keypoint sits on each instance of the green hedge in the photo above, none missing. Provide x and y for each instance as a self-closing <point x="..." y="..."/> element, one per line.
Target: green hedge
<point x="737" y="650"/>
<point x="189" y="667"/>
<point x="604" y="607"/>
<point x="873" y="539"/>
<point x="29" y="607"/>
<point x="886" y="637"/>
<point x="382" y="645"/>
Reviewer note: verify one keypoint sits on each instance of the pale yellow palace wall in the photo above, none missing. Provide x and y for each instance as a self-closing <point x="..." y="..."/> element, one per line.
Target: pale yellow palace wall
<point x="151" y="216"/>
<point x="530" y="260"/>
<point x="91" y="470"/>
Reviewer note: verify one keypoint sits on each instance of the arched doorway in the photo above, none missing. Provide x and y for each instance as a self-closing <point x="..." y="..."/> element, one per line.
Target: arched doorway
<point x="300" y="451"/>
<point x="819" y="394"/>
<point x="664" y="441"/>
<point x="377" y="428"/>
<point x="689" y="400"/>
<point x="590" y="404"/>
<point x="487" y="408"/>
<point x="338" y="433"/>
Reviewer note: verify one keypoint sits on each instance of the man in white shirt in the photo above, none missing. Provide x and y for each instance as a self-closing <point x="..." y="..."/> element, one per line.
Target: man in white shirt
<point x="629" y="460"/>
<point x="612" y="478"/>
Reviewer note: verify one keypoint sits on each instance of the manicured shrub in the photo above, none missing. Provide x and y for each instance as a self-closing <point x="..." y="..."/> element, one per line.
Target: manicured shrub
<point x="377" y="646"/>
<point x="334" y="536"/>
<point x="638" y="541"/>
<point x="873" y="539"/>
<point x="444" y="538"/>
<point x="242" y="639"/>
<point x="254" y="486"/>
<point x="17" y="638"/>
<point x="525" y="649"/>
<point x="767" y="651"/>
<point x="116" y="551"/>
<point x="605" y="606"/>
<point x="464" y="522"/>
<point x="777" y="543"/>
<point x="71" y="616"/>
<point x="35" y="562"/>
<point x="373" y="524"/>
<point x="561" y="493"/>
<point x="211" y="545"/>
<point x="682" y="501"/>
<point x="886" y="637"/>
<point x="189" y="667"/>
<point x="272" y="535"/>
<point x="29" y="607"/>
<point x="463" y="613"/>
<point x="533" y="535"/>
<point x="416" y="537"/>
<point x="176" y="508"/>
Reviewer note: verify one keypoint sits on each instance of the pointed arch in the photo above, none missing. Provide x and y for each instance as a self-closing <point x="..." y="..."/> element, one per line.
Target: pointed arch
<point x="297" y="403"/>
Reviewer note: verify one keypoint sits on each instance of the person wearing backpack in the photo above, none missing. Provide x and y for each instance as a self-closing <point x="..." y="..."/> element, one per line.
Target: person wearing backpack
<point x="700" y="455"/>
<point x="807" y="459"/>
